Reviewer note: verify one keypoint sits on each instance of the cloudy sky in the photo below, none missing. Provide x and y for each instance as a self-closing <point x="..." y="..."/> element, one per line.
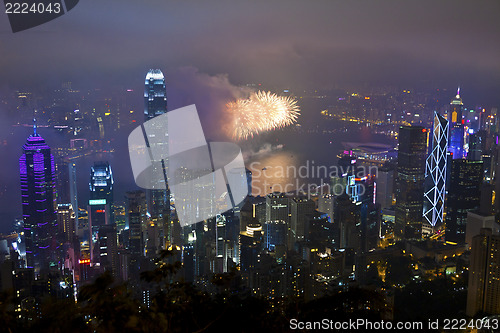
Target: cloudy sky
<point x="276" y="42"/>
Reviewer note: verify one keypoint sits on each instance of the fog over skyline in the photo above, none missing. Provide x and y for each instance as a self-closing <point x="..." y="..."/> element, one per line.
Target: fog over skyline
<point x="208" y="48"/>
<point x="300" y="43"/>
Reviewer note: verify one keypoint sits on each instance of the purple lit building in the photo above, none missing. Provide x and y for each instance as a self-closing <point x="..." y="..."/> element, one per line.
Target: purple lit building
<point x="37" y="171"/>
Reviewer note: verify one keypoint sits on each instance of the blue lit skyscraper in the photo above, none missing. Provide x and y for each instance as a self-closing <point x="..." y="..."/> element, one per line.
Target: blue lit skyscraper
<point x="435" y="174"/>
<point x="37" y="171"/>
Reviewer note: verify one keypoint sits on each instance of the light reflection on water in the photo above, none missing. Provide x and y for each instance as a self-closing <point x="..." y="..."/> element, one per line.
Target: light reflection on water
<point x="269" y="172"/>
<point x="285" y="171"/>
<point x="294" y="159"/>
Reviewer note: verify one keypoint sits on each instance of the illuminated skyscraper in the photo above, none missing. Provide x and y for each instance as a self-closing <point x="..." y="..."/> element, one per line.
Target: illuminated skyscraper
<point x="277" y="207"/>
<point x="155" y="104"/>
<point x="101" y="199"/>
<point x="155" y="95"/>
<point x="101" y="182"/>
<point x="275" y="233"/>
<point x="435" y="174"/>
<point x="326" y="205"/>
<point x="221" y="245"/>
<point x="456" y="106"/>
<point x="73" y="193"/>
<point x="136" y="216"/>
<point x="457" y="139"/>
<point x="478" y="145"/>
<point x="66" y="221"/>
<point x="108" y="248"/>
<point x="250" y="246"/>
<point x="37" y="171"/>
<point x="410" y="182"/>
<point x="101" y="194"/>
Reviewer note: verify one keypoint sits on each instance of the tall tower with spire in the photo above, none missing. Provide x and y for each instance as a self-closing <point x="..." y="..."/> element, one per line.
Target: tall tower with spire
<point x="457" y="134"/>
<point x="456" y="105"/>
<point x="38" y="196"/>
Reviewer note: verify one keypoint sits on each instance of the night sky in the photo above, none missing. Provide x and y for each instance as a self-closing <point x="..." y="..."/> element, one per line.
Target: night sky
<point x="299" y="43"/>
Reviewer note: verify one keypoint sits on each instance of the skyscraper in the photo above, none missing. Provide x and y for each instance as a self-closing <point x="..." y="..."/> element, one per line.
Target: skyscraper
<point x="155" y="104"/>
<point x="73" y="193"/>
<point x="221" y="245"/>
<point x="62" y="183"/>
<point x="477" y="145"/>
<point x="435" y="174"/>
<point x="456" y="127"/>
<point x="155" y="95"/>
<point x="410" y="182"/>
<point x="483" y="292"/>
<point x="135" y="220"/>
<point x="250" y="246"/>
<point x="299" y="208"/>
<point x="347" y="228"/>
<point x="101" y="194"/>
<point x="136" y="215"/>
<point x="101" y="200"/>
<point x="37" y="171"/>
<point x="101" y="182"/>
<point x="385" y="186"/>
<point x="66" y="222"/>
<point x="108" y="249"/>
<point x="326" y="205"/>
<point x="463" y="196"/>
<point x="278" y="209"/>
<point x="275" y="233"/>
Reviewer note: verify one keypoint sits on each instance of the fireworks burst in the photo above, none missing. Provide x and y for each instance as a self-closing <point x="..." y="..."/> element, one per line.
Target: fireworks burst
<point x="261" y="112"/>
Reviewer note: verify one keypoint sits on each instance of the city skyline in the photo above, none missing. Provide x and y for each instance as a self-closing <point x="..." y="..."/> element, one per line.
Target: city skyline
<point x="471" y="125"/>
<point x="123" y="239"/>
<point x="362" y="42"/>
<point x="192" y="166"/>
